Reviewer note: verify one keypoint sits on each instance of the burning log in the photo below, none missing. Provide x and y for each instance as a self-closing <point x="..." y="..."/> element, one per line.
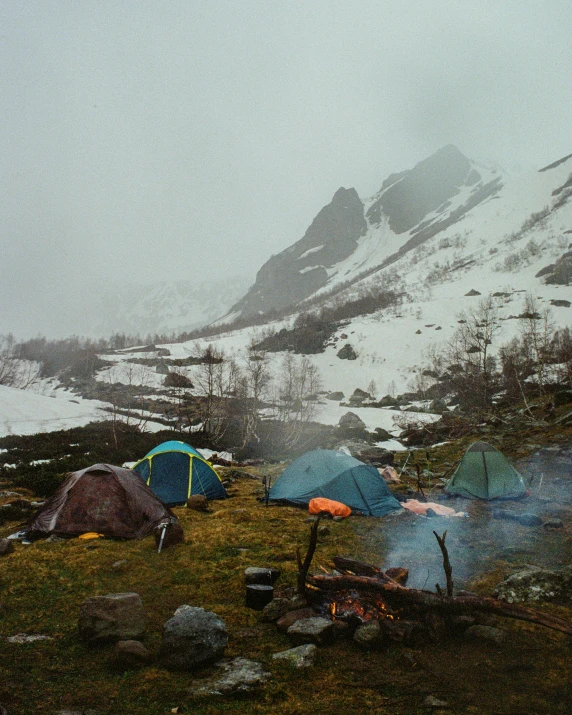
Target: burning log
<point x="367" y="579"/>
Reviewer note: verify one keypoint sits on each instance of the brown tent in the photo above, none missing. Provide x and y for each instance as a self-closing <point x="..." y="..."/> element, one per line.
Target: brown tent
<point x="105" y="499"/>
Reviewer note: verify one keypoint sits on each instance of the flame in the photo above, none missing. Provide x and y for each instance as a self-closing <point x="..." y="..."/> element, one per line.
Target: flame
<point x="346" y="605"/>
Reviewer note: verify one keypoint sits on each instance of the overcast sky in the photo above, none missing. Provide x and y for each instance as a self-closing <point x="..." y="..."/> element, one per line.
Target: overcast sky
<point x="159" y="139"/>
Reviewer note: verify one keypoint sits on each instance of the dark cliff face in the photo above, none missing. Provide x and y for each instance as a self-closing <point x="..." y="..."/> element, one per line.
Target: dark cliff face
<point x="300" y="270"/>
<point x="415" y="193"/>
<point x="405" y="199"/>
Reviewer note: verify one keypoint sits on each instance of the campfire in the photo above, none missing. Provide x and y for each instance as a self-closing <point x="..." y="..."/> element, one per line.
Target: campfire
<point x="352" y="607"/>
<point x="359" y="593"/>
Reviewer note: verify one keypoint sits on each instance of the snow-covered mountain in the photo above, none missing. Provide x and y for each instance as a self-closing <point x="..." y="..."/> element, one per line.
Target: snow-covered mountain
<point x="444" y="235"/>
<point x="163" y="307"/>
<point x="350" y="237"/>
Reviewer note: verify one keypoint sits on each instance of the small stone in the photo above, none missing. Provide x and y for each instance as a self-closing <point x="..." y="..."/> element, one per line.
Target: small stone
<point x="486" y="633"/>
<point x="198" y="502"/>
<point x="284" y="623"/>
<point x="432" y="702"/>
<point x="303" y="656"/>
<point x="553" y="524"/>
<point x="131" y="654"/>
<point x="368" y="635"/>
<point x="119" y="565"/>
<point x="528" y="519"/>
<point x="311" y="630"/>
<point x="28" y="638"/>
<point x="241" y="675"/>
<point x="274" y="610"/>
<point x="255" y="575"/>
<point x="6" y="547"/>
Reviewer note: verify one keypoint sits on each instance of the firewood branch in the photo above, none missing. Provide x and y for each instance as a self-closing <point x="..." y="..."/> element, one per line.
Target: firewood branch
<point x="398" y="596"/>
<point x="304" y="566"/>
<point x="446" y="563"/>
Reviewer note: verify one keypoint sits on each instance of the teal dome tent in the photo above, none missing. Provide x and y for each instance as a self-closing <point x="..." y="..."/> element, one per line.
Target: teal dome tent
<point x="337" y="476"/>
<point x="485" y="473"/>
<point x="175" y="471"/>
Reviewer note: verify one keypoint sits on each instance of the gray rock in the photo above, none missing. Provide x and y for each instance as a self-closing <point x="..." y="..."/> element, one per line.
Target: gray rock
<point x="432" y="702"/>
<point x="274" y="610"/>
<point x="266" y="576"/>
<point x="486" y="633"/>
<point x="351" y="421"/>
<point x="303" y="656"/>
<point x="131" y="654"/>
<point x="116" y="616"/>
<point x="535" y="584"/>
<point x="28" y="638"/>
<point x="347" y="353"/>
<point x="368" y="635"/>
<point x="119" y="565"/>
<point x="192" y="638"/>
<point x="553" y="524"/>
<point x="6" y="547"/>
<point x="316" y="630"/>
<point x="289" y="618"/>
<point x="337" y="396"/>
<point x="528" y="519"/>
<point x="198" y="502"/>
<point x="240" y="676"/>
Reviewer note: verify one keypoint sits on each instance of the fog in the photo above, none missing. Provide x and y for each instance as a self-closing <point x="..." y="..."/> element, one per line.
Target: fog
<point x="187" y="139"/>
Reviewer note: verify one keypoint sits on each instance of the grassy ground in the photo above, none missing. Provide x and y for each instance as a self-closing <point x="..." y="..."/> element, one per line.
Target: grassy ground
<point x="42" y="586"/>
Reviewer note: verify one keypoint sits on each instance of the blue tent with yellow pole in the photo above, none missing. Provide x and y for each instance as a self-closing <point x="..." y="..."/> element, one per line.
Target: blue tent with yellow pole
<point x="175" y="471"/>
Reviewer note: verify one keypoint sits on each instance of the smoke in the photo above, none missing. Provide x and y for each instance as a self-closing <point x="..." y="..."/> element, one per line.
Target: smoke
<point x="491" y="536"/>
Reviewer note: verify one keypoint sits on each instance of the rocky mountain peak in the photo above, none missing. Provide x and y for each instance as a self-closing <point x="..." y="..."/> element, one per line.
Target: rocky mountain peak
<point x="413" y="194"/>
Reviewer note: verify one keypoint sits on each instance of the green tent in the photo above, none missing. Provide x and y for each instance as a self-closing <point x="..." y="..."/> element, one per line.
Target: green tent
<point x="485" y="473"/>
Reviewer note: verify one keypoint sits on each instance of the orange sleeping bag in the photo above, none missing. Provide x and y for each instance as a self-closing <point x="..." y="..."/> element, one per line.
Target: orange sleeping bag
<point x="335" y="508"/>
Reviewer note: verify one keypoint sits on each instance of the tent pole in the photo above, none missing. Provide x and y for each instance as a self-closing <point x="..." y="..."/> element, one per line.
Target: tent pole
<point x="162" y="539"/>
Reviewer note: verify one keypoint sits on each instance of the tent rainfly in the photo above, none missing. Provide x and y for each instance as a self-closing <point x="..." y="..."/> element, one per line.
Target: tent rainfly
<point x="175" y="471"/>
<point x="337" y="476"/>
<point x="104" y="499"/>
<point x="485" y="473"/>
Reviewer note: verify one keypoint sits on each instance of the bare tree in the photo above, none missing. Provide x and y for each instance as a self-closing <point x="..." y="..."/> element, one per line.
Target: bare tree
<point x="15" y="371"/>
<point x="537" y="332"/>
<point x="217" y="379"/>
<point x="467" y="356"/>
<point x="296" y="401"/>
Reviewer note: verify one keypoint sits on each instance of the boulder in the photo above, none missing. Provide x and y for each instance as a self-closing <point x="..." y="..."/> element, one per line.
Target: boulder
<point x="192" y="638"/>
<point x="116" y="616"/>
<point x="535" y="584"/>
<point x="347" y="353"/>
<point x="351" y="421"/>
<point x="337" y="396"/>
<point x="241" y="675"/>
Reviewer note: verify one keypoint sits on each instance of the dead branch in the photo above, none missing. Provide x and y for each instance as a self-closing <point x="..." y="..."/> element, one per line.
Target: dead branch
<point x="446" y="563"/>
<point x="304" y="566"/>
